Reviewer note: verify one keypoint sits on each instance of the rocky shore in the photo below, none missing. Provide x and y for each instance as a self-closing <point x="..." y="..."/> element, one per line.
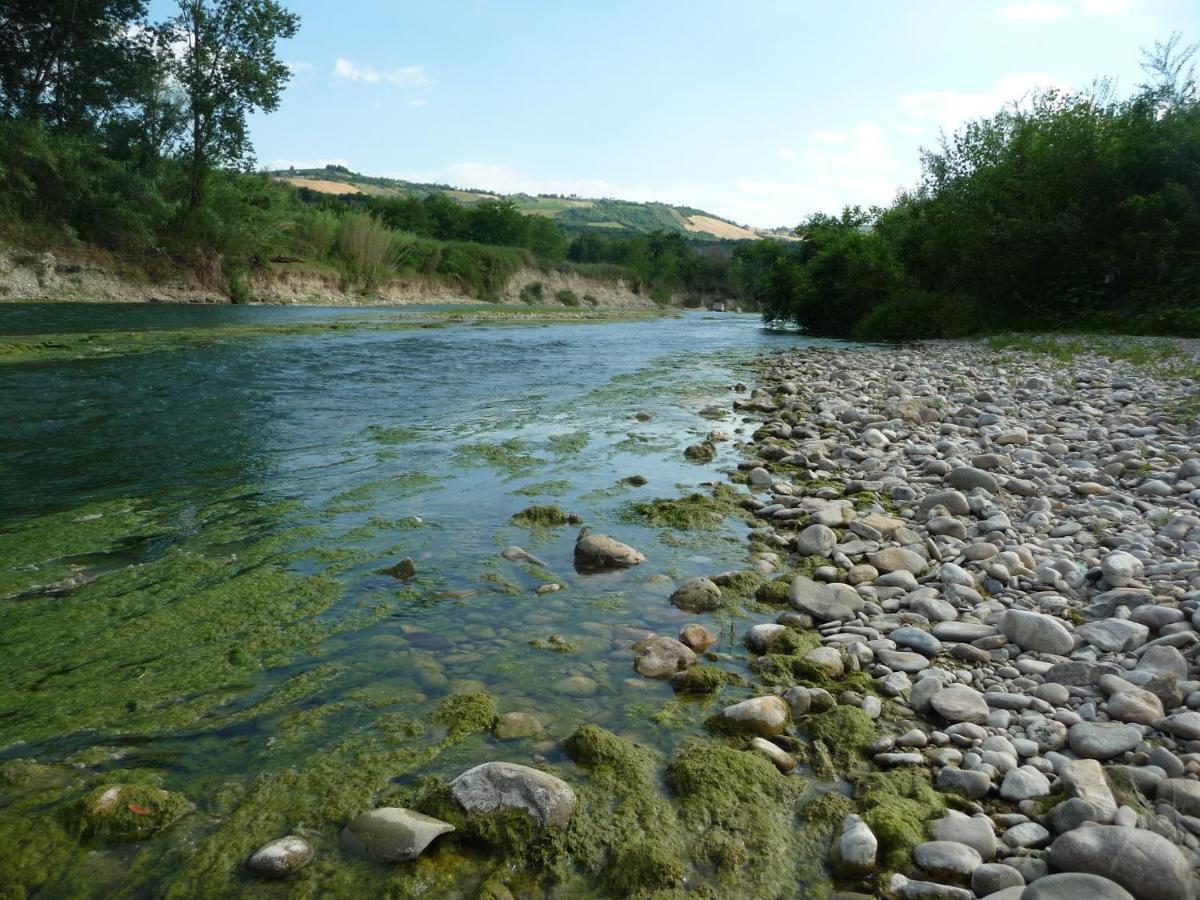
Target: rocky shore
<point x="1003" y="552"/>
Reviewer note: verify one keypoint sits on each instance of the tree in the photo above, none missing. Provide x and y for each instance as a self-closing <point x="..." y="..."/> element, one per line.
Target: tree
<point x="227" y="67"/>
<point x="70" y="63"/>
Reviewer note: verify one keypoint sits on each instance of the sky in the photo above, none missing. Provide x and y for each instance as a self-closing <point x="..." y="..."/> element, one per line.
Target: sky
<point x="757" y="110"/>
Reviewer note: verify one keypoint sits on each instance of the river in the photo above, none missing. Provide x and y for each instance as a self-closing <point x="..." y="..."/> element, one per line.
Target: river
<point x="192" y="546"/>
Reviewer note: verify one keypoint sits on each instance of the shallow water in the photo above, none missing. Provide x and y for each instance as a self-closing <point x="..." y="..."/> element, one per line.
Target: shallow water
<point x="191" y="540"/>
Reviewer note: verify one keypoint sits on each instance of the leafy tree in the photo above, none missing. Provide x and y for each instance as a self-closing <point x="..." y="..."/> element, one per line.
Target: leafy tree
<point x="227" y="67"/>
<point x="70" y="63"/>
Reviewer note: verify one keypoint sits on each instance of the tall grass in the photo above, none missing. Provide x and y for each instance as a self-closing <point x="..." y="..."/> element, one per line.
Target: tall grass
<point x="366" y="246"/>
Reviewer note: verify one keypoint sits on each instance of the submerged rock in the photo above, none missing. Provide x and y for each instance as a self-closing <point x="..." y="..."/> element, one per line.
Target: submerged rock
<point x="598" y="552"/>
<point x="404" y="570"/>
<point x="281" y="857"/>
<point x="500" y="786"/>
<point x="764" y="716"/>
<point x="697" y="595"/>
<point x="392" y="834"/>
<point x="129" y="812"/>
<point x="662" y="656"/>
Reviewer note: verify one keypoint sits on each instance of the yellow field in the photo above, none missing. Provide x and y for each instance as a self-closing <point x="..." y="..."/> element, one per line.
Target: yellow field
<point x="709" y="225"/>
<point x="323" y="186"/>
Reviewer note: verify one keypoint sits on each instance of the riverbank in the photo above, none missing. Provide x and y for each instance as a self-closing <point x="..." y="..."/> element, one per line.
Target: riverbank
<point x="1002" y="547"/>
<point x="82" y="276"/>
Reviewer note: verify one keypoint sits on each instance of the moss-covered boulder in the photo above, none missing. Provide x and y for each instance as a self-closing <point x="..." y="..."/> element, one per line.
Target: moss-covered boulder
<point x="846" y="731"/>
<point x="898" y="807"/>
<point x="700" y="680"/>
<point x="122" y="813"/>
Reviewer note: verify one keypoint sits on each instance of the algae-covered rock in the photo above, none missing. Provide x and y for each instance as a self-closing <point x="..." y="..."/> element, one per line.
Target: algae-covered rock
<point x="705" y="451"/>
<point x="502" y="786"/>
<point x="129" y="812"/>
<point x="765" y="716"/>
<point x="898" y="807"/>
<point x="516" y="725"/>
<point x="777" y="592"/>
<point x="598" y="552"/>
<point x="392" y="834"/>
<point x="548" y="516"/>
<point x="466" y="714"/>
<point x="662" y="656"/>
<point x="700" y="680"/>
<point x="845" y="731"/>
<point x="739" y="811"/>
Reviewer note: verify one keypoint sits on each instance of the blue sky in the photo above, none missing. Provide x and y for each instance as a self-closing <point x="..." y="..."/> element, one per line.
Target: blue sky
<point x="759" y="111"/>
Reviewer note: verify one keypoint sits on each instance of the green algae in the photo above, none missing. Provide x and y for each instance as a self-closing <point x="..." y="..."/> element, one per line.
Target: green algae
<point x="695" y="512"/>
<point x="510" y="457"/>
<point x="739" y="811"/>
<point x="547" y="516"/>
<point x="704" y="452"/>
<point x="568" y="444"/>
<point x="701" y="680"/>
<point x="545" y="488"/>
<point x="776" y="592"/>
<point x="820" y="823"/>
<point x="391" y="436"/>
<point x="898" y="807"/>
<point x="846" y="732"/>
<point x="466" y="714"/>
<point x="555" y="642"/>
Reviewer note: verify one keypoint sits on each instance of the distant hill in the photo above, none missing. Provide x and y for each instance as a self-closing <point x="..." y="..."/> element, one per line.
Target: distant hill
<point x="574" y="213"/>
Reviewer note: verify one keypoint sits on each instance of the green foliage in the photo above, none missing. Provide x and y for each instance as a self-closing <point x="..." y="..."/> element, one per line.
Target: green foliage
<point x="1069" y="210"/>
<point x="566" y="297"/>
<point x="533" y="293"/>
<point x="466" y="714"/>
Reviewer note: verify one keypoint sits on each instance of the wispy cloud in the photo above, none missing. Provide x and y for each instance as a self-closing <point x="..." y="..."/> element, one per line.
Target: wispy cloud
<point x="419" y="101"/>
<point x="1034" y="11"/>
<point x="405" y="76"/>
<point x="299" y="68"/>
<point x="949" y="109"/>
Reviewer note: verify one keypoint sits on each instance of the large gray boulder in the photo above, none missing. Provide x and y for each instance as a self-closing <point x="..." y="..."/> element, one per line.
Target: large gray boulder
<point x="1075" y="886"/>
<point x="1146" y="864"/>
<point x="391" y="834"/>
<point x="959" y="703"/>
<point x="1102" y="740"/>
<point x="499" y="786"/>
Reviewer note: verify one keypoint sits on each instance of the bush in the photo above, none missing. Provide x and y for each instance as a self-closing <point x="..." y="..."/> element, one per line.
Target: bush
<point x="365" y="246"/>
<point x="566" y="297"/>
<point x="533" y="293"/>
<point x="914" y="315"/>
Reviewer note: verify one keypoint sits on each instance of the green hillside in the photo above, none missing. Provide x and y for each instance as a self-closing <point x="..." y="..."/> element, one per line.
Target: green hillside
<point x="605" y="215"/>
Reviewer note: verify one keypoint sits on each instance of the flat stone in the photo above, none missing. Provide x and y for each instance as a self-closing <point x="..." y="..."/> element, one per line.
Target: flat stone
<point x="1024" y="783"/>
<point x="1114" y="635"/>
<point x="1146" y="864"/>
<point x="1026" y="835"/>
<point x="516" y="725"/>
<point x="974" y="831"/>
<point x="902" y="661"/>
<point x="1037" y="632"/>
<point x="597" y="552"/>
<point x="697" y="595"/>
<point x="898" y="559"/>
<point x="662" y="657"/>
<point x="1084" y="778"/>
<point x="959" y="703"/>
<point x="696" y="637"/>
<point x="916" y="639"/>
<point x="1184" y="725"/>
<point x="992" y="877"/>
<point x="1181" y="793"/>
<point x="967" y="478"/>
<point x="499" y="786"/>
<point x="970" y="783"/>
<point x="1095" y="740"/>
<point x="825" y="602"/>
<point x="780" y="758"/>
<point x="392" y="834"/>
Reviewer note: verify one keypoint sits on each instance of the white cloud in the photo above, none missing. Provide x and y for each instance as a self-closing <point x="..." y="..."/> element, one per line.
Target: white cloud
<point x="949" y="109"/>
<point x="299" y="68"/>
<point x="418" y="102"/>
<point x="406" y="76"/>
<point x="1034" y="11"/>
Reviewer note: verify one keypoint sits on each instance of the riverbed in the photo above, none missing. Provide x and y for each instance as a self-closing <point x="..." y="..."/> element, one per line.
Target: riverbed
<point x="194" y="545"/>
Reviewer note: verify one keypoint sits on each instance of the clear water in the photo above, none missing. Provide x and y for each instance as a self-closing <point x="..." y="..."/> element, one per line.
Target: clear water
<point x="333" y="455"/>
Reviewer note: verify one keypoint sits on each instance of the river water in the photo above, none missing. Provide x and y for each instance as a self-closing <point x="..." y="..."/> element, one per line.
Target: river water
<point x="192" y="539"/>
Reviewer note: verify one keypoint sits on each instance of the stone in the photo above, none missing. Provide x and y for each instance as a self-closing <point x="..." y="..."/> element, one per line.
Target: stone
<point x="1185" y="725"/>
<point x="281" y="857"/>
<point x="696" y="637"/>
<point x="662" y="657"/>
<point x="598" y="552"/>
<point x="697" y="595"/>
<point x="816" y="540"/>
<point x="946" y="859"/>
<point x="1075" y="886"/>
<point x="1146" y="864"/>
<point x="1135" y="705"/>
<point x="970" y="783"/>
<point x="780" y="758"/>
<point x="1047" y="734"/>
<point x="967" y="478"/>
<point x="1114" y="635"/>
<point x="501" y="786"/>
<point x="974" y="831"/>
<point x="916" y="639"/>
<point x="959" y="703"/>
<point x="1096" y="740"/>
<point x="760" y="637"/>
<point x="392" y="834"/>
<point x="853" y="852"/>
<point x="1037" y="632"/>
<point x="1026" y="835"/>
<point x="1181" y="793"/>
<point x="992" y="877"/>
<point x="1120" y="568"/>
<point x="765" y="716"/>
<point x="902" y="661"/>
<point x="827" y="659"/>
<point x="898" y="559"/>
<point x="825" y="602"/>
<point x="1084" y="778"/>
<point x="1024" y="783"/>
<point x="516" y="725"/>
